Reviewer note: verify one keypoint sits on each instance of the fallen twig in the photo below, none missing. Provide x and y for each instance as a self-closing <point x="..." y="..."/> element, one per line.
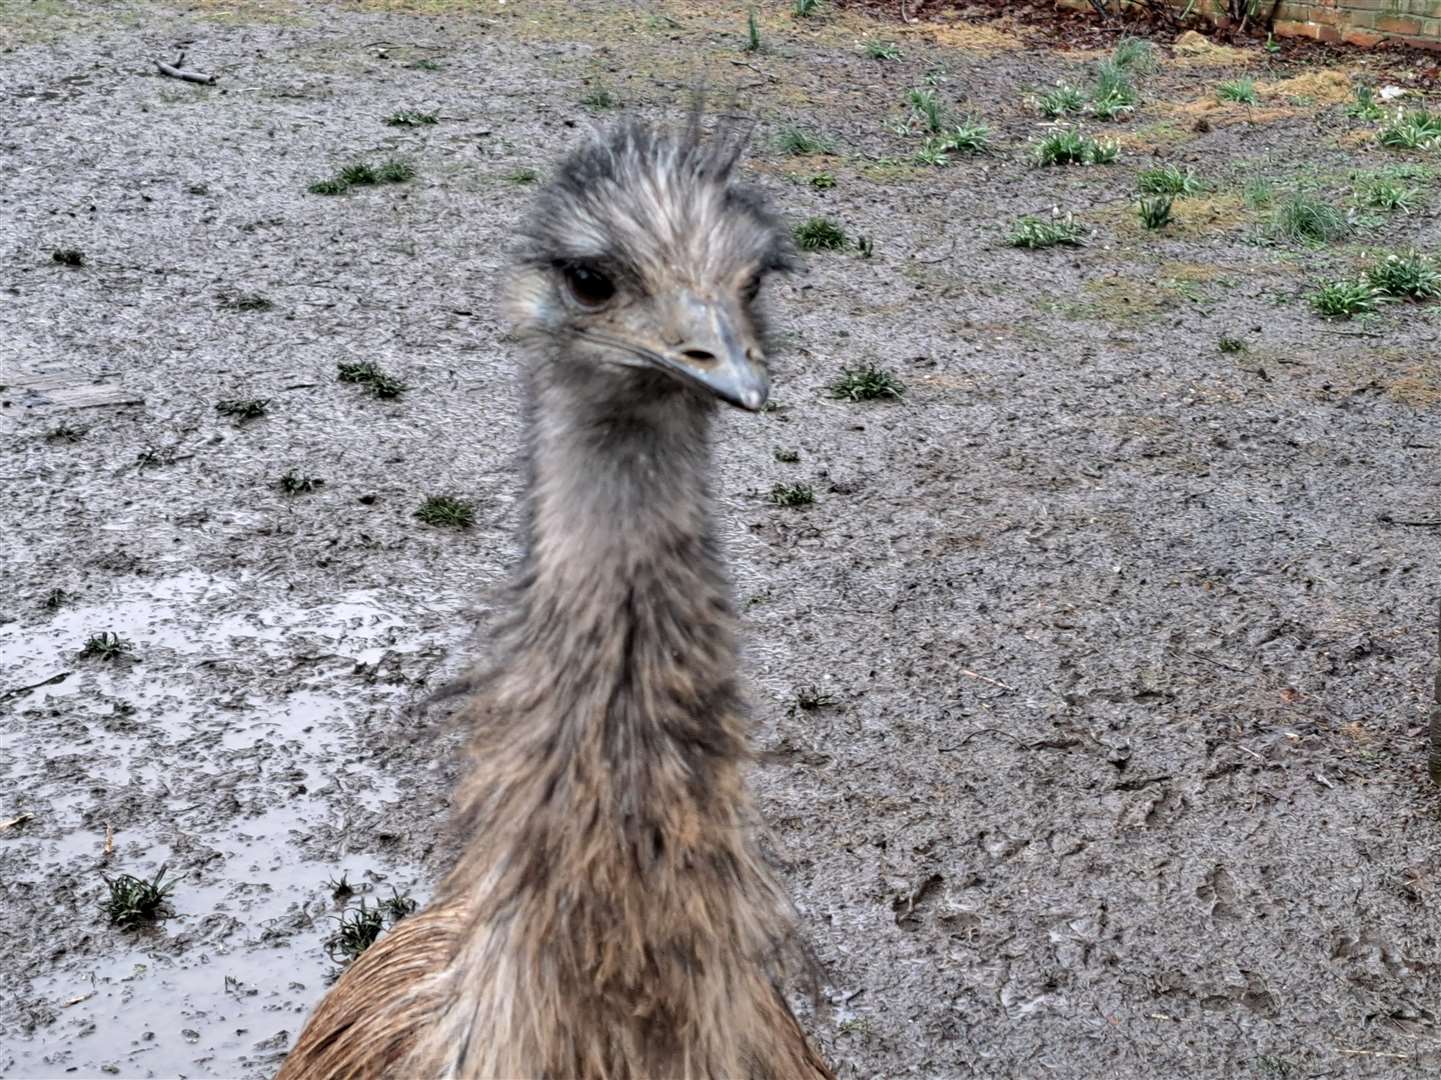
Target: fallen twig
<point x="176" y="71"/>
<point x="21" y="820"/>
<point x="987" y="679"/>
<point x="17" y="691"/>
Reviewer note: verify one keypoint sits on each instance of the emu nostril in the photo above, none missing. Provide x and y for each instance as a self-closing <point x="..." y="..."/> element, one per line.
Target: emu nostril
<point x="700" y="356"/>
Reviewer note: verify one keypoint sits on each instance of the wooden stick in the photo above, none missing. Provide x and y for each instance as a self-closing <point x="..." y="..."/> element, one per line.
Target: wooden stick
<point x="175" y="71"/>
<point x="1435" y="759"/>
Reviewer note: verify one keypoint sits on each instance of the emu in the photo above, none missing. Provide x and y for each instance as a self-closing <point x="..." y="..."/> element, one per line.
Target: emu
<point x="610" y="916"/>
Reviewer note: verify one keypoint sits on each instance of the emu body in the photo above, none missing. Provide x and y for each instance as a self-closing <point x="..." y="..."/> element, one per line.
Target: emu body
<point x="610" y="916"/>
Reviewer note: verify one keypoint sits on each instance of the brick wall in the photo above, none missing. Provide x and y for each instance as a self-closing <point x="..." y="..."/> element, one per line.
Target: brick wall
<point x="1355" y="22"/>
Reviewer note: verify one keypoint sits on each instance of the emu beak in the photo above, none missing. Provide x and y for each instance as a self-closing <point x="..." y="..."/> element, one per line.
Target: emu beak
<point x="711" y="352"/>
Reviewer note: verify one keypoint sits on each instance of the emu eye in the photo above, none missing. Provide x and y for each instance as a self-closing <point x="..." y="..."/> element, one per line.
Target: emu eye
<point x="588" y="286"/>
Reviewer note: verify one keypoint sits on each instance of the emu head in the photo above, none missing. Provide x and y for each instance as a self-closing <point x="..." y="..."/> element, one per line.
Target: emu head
<point x="644" y="260"/>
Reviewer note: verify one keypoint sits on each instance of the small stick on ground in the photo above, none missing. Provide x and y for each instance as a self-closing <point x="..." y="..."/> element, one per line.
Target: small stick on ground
<point x="987" y="679"/>
<point x="21" y="820"/>
<point x="177" y="71"/>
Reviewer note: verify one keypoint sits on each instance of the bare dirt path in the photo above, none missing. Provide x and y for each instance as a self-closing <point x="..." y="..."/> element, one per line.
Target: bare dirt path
<point x="1091" y="687"/>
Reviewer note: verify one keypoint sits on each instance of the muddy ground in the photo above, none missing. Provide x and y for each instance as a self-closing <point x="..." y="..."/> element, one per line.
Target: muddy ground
<point x="1127" y="640"/>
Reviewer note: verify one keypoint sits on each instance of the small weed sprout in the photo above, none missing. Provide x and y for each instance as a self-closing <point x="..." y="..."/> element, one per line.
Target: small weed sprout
<point x="1390" y="195"/>
<point x="64" y="432"/>
<point x="521" y="176"/>
<point x="792" y="495"/>
<point x="107" y="647"/>
<point x="803" y="9"/>
<point x="970" y="136"/>
<point x="881" y="50"/>
<point x="340" y="889"/>
<point x="55" y="599"/>
<point x="926" y="107"/>
<point x="358" y="174"/>
<point x="797" y="141"/>
<point x="811" y="698"/>
<point x="411" y="118"/>
<point x="600" y="99"/>
<point x="1229" y="344"/>
<point x="1033" y="233"/>
<point x="1114" y="94"/>
<point x="1343" y="299"/>
<point x="932" y="154"/>
<point x="1239" y="91"/>
<point x="398" y="907"/>
<point x="72" y="257"/>
<point x="446" y="512"/>
<point x="1070" y="147"/>
<point x="822" y="181"/>
<point x="787" y="457"/>
<point x="1415" y="130"/>
<point x="865" y="247"/>
<point x="233" y="301"/>
<point x="292" y="483"/>
<point x="1135" y="54"/>
<point x="133" y="901"/>
<point x="242" y="410"/>
<point x="358" y="930"/>
<point x="820" y="234"/>
<point x="369" y="375"/>
<point x="1167" y="180"/>
<point x="330" y="186"/>
<point x="1155" y="211"/>
<point x="753" y="33"/>
<point x="1410" y="276"/>
<point x="867" y="383"/>
<point x="1365" y="106"/>
<point x="1306" y="220"/>
<point x="1062" y="101"/>
<point x="395" y="171"/>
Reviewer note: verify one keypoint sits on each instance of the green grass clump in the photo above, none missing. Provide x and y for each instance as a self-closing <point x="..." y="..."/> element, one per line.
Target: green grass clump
<point x="599" y="99"/>
<point x="292" y="483"/>
<point x="521" y="176"/>
<point x="811" y="698"/>
<point x="1070" y="147"/>
<point x="1114" y="94"/>
<point x="791" y="495"/>
<point x="1307" y="220"/>
<point x="233" y="301"/>
<point x="1155" y="211"/>
<point x="1229" y="344"/>
<point x="1393" y="196"/>
<point x="803" y="9"/>
<point x="106" y="647"/>
<point x="330" y="186"/>
<point x="370" y="376"/>
<point x="1343" y="299"/>
<point x="411" y="118"/>
<point x="820" y="234"/>
<point x="881" y="50"/>
<point x="867" y="383"/>
<point x="358" y="930"/>
<point x="1365" y="106"/>
<point x="753" y="33"/>
<point x="1135" y="54"/>
<point x="364" y="174"/>
<point x="926" y="107"/>
<point x="795" y="141"/>
<point x="1061" y="101"/>
<point x="1240" y="91"/>
<point x="72" y="257"/>
<point x="358" y="174"/>
<point x="1033" y="233"/>
<point x="242" y="409"/>
<point x="1167" y="180"/>
<point x="787" y="457"/>
<point x="133" y="901"/>
<point x="822" y="181"/>
<point x="1408" y="276"/>
<point x="446" y="512"/>
<point x="395" y="171"/>
<point x="1418" y="129"/>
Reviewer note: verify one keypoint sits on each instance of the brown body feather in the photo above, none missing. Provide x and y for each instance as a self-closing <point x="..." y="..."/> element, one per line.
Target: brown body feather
<point x="610" y="916"/>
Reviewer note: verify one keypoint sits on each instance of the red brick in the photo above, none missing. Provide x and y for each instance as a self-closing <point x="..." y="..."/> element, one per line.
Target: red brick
<point x="1406" y="26"/>
<point x="1366" y="39"/>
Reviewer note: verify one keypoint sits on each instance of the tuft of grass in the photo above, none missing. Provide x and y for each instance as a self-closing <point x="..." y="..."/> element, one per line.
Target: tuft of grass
<point x="395" y="171"/>
<point x="242" y="409"/>
<point x="787" y="457"/>
<point x="1240" y="91"/>
<point x="600" y="99"/>
<point x="293" y="483"/>
<point x="64" y="432"/>
<point x="804" y="9"/>
<point x="1167" y="180"/>
<point x="55" y="599"/>
<point x="1408" y="276"/>
<point x="358" y="930"/>
<point x="1418" y="129"/>
<point x="926" y="106"/>
<point x="1070" y="147"/>
<point x="133" y="901"/>
<point x="106" y="647"/>
<point x="411" y="118"/>
<point x="867" y="383"/>
<point x="753" y="33"/>
<point x="1229" y="344"/>
<point x="796" y="141"/>
<point x="340" y="889"/>
<point x="875" y="49"/>
<point x="446" y="512"/>
<point x="1135" y="54"/>
<point x="1385" y="193"/>
<point x="72" y="257"/>
<point x="811" y="698"/>
<point x="1033" y="233"/>
<point x="1307" y="220"/>
<point x="1365" y="106"/>
<point x="822" y="181"/>
<point x="1155" y="211"/>
<point x="370" y="376"/>
<point x="820" y="234"/>
<point x="1258" y="193"/>
<point x="358" y="174"/>
<point x="1114" y="94"/>
<point x="865" y="247"/>
<point x="521" y="176"/>
<point x="397" y="907"/>
<point x="1062" y="101"/>
<point x="792" y="495"/>
<point x="232" y="301"/>
<point x="970" y="136"/>
<point x="330" y="186"/>
<point x="1343" y="299"/>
